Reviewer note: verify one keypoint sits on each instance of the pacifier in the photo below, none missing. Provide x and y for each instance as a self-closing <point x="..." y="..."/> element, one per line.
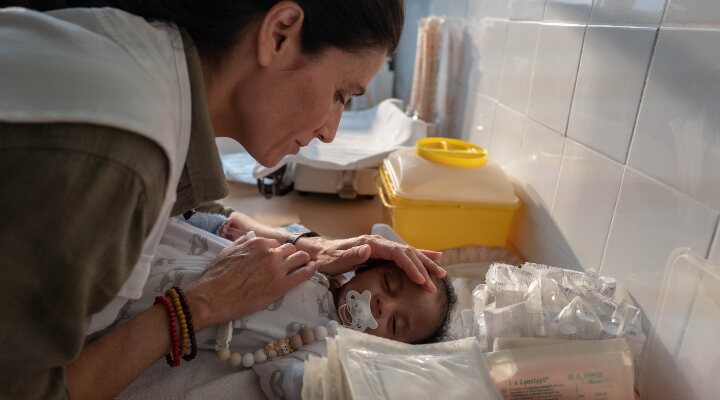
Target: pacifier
<point x="356" y="312"/>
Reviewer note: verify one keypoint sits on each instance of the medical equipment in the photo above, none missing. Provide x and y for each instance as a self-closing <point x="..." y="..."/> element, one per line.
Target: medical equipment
<point x="541" y="301"/>
<point x="356" y="312"/>
<point x="596" y="370"/>
<point x="423" y="95"/>
<point x="445" y="193"/>
<point x="348" y="165"/>
<point x="361" y="366"/>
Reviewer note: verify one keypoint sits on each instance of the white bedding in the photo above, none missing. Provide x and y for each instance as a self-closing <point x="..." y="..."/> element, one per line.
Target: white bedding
<point x="203" y="378"/>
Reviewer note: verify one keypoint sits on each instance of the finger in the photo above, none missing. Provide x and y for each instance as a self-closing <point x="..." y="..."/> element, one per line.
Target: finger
<point x="242" y="239"/>
<point x="300" y="275"/>
<point x="285" y="250"/>
<point x="346" y="260"/>
<point x="233" y="223"/>
<point x="429" y="286"/>
<point x="271" y="243"/>
<point x="433" y="255"/>
<point x="230" y="233"/>
<point x="431" y="264"/>
<point x="406" y="264"/>
<point x="355" y="255"/>
<point x="296" y="259"/>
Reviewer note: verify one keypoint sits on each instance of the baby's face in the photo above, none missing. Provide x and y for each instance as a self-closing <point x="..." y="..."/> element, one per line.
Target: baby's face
<point x="403" y="310"/>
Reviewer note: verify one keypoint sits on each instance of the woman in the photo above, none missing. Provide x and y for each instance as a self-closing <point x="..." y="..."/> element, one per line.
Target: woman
<point x="107" y="121"/>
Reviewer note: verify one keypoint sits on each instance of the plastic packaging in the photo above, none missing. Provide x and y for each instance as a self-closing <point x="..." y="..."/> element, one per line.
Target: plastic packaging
<point x="591" y="370"/>
<point x="508" y="343"/>
<point x="361" y="366"/>
<point x="541" y="301"/>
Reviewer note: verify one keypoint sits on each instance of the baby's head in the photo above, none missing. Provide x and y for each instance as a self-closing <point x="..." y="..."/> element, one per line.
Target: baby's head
<point x="403" y="310"/>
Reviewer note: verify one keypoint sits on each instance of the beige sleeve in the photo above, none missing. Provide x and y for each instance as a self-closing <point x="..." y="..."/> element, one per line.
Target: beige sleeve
<point x="77" y="202"/>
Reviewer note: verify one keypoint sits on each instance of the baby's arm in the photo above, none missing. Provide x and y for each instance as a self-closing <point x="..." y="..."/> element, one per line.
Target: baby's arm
<point x="232" y="230"/>
<point x="208" y="222"/>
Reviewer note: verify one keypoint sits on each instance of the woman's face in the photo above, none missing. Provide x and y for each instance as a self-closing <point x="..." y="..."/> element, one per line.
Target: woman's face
<point x="403" y="310"/>
<point x="285" y="106"/>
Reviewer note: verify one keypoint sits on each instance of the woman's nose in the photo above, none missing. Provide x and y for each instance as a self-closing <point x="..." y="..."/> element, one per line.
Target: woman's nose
<point x="327" y="133"/>
<point x="325" y="136"/>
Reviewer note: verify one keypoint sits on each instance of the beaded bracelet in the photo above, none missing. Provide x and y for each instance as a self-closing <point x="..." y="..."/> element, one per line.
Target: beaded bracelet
<point x="172" y="358"/>
<point x="189" y="322"/>
<point x="184" y="336"/>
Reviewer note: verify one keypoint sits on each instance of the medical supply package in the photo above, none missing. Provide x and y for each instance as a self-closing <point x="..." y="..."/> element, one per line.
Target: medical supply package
<point x="547" y="302"/>
<point x="591" y="370"/>
<point x="362" y="366"/>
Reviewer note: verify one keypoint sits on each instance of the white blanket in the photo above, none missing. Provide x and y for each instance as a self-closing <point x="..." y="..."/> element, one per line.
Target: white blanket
<point x="203" y="378"/>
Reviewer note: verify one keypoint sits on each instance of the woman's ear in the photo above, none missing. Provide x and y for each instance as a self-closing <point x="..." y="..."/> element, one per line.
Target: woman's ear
<point x="279" y="36"/>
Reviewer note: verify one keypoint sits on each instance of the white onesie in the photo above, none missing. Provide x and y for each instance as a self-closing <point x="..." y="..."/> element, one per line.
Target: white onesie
<point x="184" y="253"/>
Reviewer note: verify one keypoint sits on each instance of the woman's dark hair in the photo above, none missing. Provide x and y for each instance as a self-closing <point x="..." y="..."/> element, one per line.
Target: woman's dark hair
<point x="215" y="25"/>
<point x="449" y="299"/>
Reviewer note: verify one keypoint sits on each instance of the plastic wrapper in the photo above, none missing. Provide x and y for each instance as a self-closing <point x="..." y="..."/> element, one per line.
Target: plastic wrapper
<point x="578" y="321"/>
<point x="362" y="366"/>
<point x="593" y="370"/>
<point x="548" y="302"/>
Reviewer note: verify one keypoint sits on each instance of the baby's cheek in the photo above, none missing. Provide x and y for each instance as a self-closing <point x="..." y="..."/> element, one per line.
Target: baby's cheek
<point x="379" y="331"/>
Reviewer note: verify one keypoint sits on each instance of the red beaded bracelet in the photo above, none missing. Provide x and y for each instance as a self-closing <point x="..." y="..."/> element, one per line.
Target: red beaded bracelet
<point x="172" y="358"/>
<point x="174" y="298"/>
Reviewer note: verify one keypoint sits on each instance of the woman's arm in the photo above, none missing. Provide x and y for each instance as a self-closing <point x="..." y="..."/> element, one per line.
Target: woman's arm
<point x="338" y="256"/>
<point x="245" y="277"/>
<point x="105" y="367"/>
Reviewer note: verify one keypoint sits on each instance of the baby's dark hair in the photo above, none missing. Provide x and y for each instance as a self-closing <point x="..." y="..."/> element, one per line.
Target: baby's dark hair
<point x="449" y="299"/>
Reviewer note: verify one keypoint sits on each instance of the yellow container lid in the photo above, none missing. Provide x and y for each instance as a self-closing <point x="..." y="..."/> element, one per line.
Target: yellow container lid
<point x="452" y="152"/>
<point x="414" y="176"/>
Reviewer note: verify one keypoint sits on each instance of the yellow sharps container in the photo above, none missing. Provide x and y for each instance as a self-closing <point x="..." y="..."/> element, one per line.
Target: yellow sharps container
<point x="445" y="193"/>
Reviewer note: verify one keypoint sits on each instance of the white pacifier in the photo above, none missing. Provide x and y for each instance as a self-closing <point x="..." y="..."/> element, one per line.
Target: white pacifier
<point x="356" y="312"/>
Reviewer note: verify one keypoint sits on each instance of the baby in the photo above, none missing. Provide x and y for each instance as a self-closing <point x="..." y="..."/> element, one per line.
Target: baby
<point x="396" y="308"/>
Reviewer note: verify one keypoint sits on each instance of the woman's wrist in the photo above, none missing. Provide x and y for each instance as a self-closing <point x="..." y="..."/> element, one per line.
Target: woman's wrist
<point x="200" y="307"/>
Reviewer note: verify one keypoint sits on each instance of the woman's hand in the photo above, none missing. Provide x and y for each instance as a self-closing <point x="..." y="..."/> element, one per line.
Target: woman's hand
<point x="246" y="277"/>
<point x="336" y="257"/>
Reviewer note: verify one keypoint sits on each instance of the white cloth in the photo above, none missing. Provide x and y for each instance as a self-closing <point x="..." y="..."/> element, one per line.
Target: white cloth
<point x="203" y="378"/>
<point x="183" y="254"/>
<point x="105" y="67"/>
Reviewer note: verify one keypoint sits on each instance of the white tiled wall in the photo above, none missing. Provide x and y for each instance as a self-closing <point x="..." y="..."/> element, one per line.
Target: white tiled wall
<point x="607" y="115"/>
<point x="518" y="64"/>
<point x="556" y="66"/>
<point x="609" y="86"/>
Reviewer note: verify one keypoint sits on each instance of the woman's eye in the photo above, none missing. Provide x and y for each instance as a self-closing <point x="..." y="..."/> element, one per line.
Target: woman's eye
<point x="387" y="285"/>
<point x="393" y="325"/>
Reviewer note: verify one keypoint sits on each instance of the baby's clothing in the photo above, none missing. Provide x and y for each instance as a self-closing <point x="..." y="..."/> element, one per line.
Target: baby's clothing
<point x="184" y="253"/>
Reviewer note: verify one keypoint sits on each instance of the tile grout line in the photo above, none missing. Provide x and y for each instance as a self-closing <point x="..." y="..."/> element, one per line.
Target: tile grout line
<point x="642" y="94"/>
<point x="664" y="13"/>
<point x="612" y="219"/>
<point x="577" y="74"/>
<point x="713" y="237"/>
<point x="567" y="121"/>
<point x="673" y="189"/>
